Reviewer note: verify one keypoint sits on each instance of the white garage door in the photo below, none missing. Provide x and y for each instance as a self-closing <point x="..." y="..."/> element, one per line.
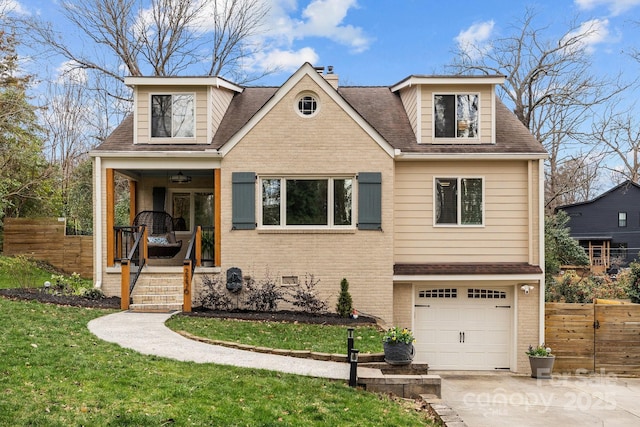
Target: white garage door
<point x="466" y="328"/>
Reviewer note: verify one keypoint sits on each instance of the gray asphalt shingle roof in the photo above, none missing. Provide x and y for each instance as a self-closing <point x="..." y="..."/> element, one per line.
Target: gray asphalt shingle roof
<point x="380" y="107"/>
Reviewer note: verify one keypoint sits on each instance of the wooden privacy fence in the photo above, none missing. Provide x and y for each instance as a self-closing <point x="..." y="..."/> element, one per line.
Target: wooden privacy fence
<point x="45" y="239"/>
<point x="594" y="337"/>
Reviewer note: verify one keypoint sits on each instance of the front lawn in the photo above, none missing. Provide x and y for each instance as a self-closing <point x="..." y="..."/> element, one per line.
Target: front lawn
<point x="288" y="336"/>
<point x="54" y="372"/>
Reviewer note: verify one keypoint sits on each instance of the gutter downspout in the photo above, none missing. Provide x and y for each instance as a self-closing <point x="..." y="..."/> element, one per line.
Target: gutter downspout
<point x="97" y="223"/>
<point x="542" y="265"/>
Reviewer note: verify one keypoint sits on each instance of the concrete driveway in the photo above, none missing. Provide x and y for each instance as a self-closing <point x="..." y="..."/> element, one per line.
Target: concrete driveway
<point x="505" y="399"/>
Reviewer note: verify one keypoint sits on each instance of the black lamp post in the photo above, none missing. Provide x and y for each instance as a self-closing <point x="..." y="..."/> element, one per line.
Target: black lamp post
<point x="349" y="343"/>
<point x="353" y="368"/>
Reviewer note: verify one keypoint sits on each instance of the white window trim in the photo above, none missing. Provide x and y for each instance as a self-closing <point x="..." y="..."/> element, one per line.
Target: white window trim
<point x="192" y="203"/>
<point x="330" y="203"/>
<point x="302" y="95"/>
<point x="433" y="118"/>
<point x="458" y="201"/>
<point x="172" y="139"/>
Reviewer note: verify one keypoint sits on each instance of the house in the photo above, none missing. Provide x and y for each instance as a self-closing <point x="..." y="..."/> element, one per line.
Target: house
<point x="426" y="195"/>
<point x="608" y="227"/>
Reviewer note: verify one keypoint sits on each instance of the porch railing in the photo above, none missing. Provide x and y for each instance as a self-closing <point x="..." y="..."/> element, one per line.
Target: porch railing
<point x="125" y="237"/>
<point x="132" y="264"/>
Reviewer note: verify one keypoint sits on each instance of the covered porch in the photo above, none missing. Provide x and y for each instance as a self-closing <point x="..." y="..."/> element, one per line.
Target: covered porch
<point x="130" y="246"/>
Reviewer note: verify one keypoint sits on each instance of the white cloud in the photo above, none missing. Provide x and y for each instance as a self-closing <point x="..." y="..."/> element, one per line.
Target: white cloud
<point x="69" y="72"/>
<point x="285" y="60"/>
<point x="324" y="19"/>
<point x="13" y="6"/>
<point x="616" y="7"/>
<point x="473" y="40"/>
<point x="590" y="33"/>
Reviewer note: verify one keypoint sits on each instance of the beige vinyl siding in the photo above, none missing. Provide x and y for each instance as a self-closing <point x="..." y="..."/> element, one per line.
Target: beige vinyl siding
<point x="486" y="112"/>
<point x="143" y="114"/>
<point x="330" y="143"/>
<point x="220" y="100"/>
<point x="409" y="97"/>
<point x="504" y="236"/>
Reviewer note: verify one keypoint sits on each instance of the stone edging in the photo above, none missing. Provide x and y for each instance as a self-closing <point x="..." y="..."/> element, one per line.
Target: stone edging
<point x="442" y="412"/>
<point x="303" y="354"/>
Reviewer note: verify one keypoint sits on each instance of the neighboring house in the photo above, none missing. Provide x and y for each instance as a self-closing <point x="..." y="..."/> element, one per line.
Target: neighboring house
<point x="426" y="195"/>
<point x="608" y="227"/>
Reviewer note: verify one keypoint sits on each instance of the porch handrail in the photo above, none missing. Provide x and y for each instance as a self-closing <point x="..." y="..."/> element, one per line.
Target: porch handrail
<point x="132" y="265"/>
<point x="189" y="267"/>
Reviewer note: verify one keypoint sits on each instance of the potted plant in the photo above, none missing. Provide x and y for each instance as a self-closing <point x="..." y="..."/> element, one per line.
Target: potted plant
<point x="207" y="249"/>
<point x="398" y="346"/>
<point x="541" y="361"/>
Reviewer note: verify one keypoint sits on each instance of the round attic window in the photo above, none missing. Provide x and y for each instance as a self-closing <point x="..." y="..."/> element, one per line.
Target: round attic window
<point x="307" y="104"/>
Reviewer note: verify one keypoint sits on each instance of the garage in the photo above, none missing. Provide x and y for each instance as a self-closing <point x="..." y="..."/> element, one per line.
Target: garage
<point x="463" y="328"/>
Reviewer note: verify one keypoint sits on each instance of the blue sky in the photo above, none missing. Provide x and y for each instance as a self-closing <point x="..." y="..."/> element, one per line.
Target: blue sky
<point x="379" y="42"/>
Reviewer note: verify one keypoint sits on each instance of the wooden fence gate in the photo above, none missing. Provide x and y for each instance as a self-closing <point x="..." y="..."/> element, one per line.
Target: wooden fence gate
<point x="594" y="337"/>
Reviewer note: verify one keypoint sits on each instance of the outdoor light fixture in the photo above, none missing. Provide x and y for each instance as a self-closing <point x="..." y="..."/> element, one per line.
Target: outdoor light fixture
<point x="180" y="178"/>
<point x="527" y="288"/>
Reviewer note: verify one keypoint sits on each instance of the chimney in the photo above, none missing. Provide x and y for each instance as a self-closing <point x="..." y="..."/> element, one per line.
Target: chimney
<point x="328" y="75"/>
<point x="331" y="78"/>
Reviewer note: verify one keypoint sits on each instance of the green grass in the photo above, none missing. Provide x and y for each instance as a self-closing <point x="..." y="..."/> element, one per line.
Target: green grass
<point x="54" y="372"/>
<point x="288" y="336"/>
<point x="21" y="272"/>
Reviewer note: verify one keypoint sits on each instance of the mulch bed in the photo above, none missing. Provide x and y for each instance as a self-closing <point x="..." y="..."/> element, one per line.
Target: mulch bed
<point x="37" y="294"/>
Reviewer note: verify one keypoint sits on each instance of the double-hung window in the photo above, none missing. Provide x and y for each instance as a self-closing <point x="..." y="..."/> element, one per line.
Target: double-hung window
<point x="172" y="116"/>
<point x="458" y="201"/>
<point x="455" y="116"/>
<point x="307" y="202"/>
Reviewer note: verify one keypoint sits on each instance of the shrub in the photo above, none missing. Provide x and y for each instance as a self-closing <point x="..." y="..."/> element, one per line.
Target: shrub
<point x="630" y="279"/>
<point x="345" y="303"/>
<point x="92" y="293"/>
<point x="572" y="288"/>
<point x="214" y="294"/>
<point x="306" y="297"/>
<point x="22" y="269"/>
<point x="264" y="295"/>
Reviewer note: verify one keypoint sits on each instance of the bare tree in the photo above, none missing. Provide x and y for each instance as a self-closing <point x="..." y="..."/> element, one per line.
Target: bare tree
<point x="619" y="135"/>
<point x="550" y="86"/>
<point x="210" y="37"/>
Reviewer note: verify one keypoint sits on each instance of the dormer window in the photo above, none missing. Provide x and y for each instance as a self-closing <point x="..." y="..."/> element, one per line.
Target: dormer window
<point x="456" y="115"/>
<point x="172" y="116"/>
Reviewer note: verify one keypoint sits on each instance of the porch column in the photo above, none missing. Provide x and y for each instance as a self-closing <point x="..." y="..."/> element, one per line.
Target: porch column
<point x="132" y="200"/>
<point x="110" y="220"/>
<point x="217" y="220"/>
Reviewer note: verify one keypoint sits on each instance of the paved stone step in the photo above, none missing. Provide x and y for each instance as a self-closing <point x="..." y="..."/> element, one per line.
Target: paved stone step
<point x="153" y="299"/>
<point x="158" y="289"/>
<point x="155" y="308"/>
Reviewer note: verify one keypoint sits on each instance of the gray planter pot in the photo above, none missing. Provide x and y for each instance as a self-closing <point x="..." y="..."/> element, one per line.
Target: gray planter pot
<point x="541" y="367"/>
<point x="399" y="353"/>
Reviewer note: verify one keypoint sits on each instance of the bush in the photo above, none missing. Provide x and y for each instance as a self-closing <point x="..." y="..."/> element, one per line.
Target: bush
<point x="214" y="294"/>
<point x="264" y="295"/>
<point x="23" y="270"/>
<point x="306" y="297"/>
<point x="345" y="303"/>
<point x="92" y="293"/>
<point x="572" y="288"/>
<point x="630" y="279"/>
